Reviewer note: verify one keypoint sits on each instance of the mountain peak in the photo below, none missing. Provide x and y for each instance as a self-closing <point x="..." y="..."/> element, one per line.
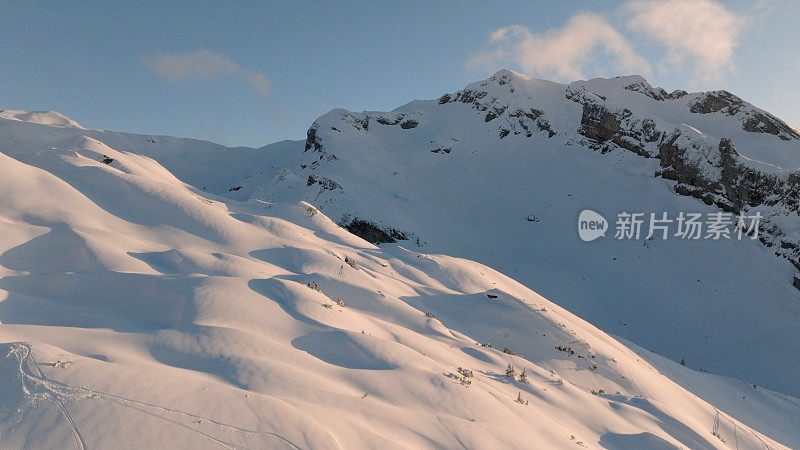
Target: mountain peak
<point x="51" y="118"/>
<point x="508" y="74"/>
<point x="509" y="77"/>
<point x="628" y="82"/>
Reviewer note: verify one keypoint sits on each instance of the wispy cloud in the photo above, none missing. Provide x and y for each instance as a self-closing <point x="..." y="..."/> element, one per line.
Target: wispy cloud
<point x="586" y="39"/>
<point x="702" y="32"/>
<point x="699" y="36"/>
<point x="205" y="65"/>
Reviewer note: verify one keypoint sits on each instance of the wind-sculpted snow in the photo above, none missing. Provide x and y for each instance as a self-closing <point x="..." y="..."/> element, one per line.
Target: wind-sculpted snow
<point x="51" y="118"/>
<point x="499" y="172"/>
<point x="141" y="311"/>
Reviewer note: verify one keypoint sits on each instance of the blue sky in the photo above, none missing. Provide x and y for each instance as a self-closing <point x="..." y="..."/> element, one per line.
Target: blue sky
<point x="251" y="73"/>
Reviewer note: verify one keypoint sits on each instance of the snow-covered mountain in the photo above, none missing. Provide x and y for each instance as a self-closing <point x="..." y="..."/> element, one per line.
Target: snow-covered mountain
<point x="499" y="172"/>
<point x="160" y="290"/>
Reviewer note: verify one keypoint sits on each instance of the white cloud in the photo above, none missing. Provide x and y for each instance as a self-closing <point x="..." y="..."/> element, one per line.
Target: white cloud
<point x="205" y="65"/>
<point x="703" y="32"/>
<point x="587" y="39"/>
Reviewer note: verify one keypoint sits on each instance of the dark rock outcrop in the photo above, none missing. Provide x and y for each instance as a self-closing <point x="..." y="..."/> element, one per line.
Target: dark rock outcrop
<point x="326" y="183"/>
<point x="410" y="123"/>
<point x="383" y="120"/>
<point x="711" y="102"/>
<point x="525" y="119"/>
<point x="603" y="126"/>
<point x="732" y="186"/>
<point x="753" y="119"/>
<point x="373" y="233"/>
<point x="717" y="176"/>
<point x="656" y="93"/>
<point x="312" y="140"/>
<point x="758" y="122"/>
<point x="518" y="121"/>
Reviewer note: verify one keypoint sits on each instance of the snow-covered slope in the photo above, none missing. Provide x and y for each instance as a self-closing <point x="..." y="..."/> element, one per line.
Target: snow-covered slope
<point x="499" y="172"/>
<point x="51" y="118"/>
<point x="137" y="310"/>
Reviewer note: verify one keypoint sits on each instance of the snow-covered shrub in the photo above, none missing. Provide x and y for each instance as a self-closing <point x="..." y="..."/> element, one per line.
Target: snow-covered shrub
<point x="466" y="373"/>
<point x="510" y="372"/>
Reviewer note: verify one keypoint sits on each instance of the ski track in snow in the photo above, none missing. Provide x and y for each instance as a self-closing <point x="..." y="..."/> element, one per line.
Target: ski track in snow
<point x="61" y="394"/>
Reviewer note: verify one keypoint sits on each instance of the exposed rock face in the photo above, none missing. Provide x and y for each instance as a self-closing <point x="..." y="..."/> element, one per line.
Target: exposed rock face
<point x="753" y="121"/>
<point x="466" y="96"/>
<point x="373" y="233"/>
<point x="394" y="119"/>
<point x="718" y="176"/>
<point x="602" y="126"/>
<point x="744" y="186"/>
<point x="494" y="113"/>
<point x="655" y="93"/>
<point x="408" y="124"/>
<point x="314" y="143"/>
<point x="311" y="139"/>
<point x="715" y="175"/>
<point x="730" y="185"/>
<point x="711" y="170"/>
<point x="323" y="182"/>
<point x="517" y="120"/>
<point x="383" y="120"/>
<point x="525" y="119"/>
<point x="767" y="123"/>
<point x="712" y="102"/>
<point x="607" y="127"/>
<point x="681" y="165"/>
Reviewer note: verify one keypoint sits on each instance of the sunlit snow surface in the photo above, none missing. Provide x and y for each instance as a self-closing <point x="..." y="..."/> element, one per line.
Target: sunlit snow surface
<point x="727" y="306"/>
<point x="140" y="310"/>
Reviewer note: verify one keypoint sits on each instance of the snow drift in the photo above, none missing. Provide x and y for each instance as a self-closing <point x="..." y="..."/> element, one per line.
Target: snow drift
<point x="139" y="306"/>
